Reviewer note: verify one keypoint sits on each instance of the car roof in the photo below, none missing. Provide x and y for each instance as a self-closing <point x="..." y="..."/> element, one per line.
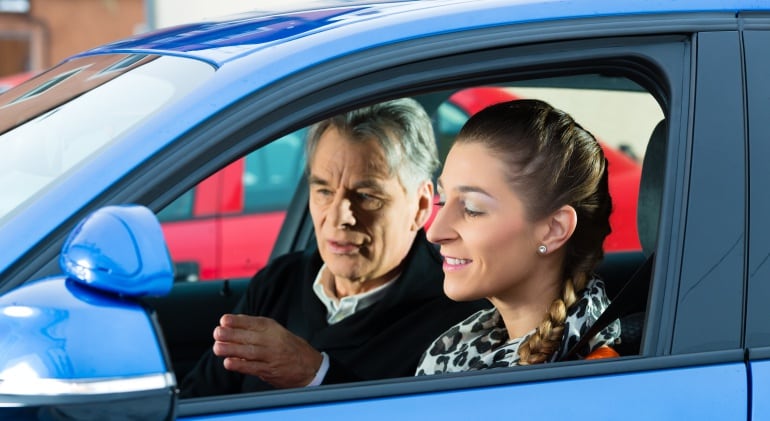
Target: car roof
<point x="231" y="37"/>
<point x="255" y="50"/>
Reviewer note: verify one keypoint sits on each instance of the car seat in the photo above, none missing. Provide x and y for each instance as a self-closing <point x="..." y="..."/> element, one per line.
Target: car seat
<point x="648" y="217"/>
<point x="630" y="304"/>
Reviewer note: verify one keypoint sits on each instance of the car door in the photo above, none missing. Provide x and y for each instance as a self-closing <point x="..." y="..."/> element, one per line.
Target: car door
<point x="679" y="370"/>
<point x="757" y="62"/>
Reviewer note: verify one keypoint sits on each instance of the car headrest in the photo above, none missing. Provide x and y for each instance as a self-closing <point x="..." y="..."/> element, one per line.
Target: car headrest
<point x="651" y="188"/>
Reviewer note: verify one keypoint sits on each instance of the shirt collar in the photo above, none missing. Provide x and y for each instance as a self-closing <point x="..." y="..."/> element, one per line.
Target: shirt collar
<point x="338" y="309"/>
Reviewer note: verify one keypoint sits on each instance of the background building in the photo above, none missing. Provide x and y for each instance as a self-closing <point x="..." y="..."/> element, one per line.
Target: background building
<point x="36" y="34"/>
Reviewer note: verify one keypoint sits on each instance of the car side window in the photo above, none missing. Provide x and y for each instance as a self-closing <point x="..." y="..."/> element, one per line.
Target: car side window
<point x="226" y="226"/>
<point x="271" y="173"/>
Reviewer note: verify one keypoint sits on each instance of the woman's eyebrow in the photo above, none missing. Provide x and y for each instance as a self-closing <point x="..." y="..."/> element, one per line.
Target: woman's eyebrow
<point x="472" y="189"/>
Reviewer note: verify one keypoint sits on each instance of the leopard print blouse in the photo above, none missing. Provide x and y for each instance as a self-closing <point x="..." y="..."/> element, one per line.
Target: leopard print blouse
<point x="481" y="340"/>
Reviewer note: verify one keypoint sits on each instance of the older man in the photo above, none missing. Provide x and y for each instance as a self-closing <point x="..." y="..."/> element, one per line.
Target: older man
<point x="369" y="300"/>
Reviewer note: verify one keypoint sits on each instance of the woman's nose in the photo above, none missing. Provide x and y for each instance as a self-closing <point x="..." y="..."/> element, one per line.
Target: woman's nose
<point x="440" y="230"/>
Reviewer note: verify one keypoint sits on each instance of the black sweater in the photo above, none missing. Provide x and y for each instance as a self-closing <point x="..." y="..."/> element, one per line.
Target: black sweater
<point x="384" y="340"/>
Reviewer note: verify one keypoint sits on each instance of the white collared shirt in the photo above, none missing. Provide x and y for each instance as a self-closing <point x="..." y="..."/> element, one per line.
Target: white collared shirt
<point x="339" y="308"/>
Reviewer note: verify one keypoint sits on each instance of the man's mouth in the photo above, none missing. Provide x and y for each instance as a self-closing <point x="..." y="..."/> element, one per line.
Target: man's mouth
<point x="337" y="247"/>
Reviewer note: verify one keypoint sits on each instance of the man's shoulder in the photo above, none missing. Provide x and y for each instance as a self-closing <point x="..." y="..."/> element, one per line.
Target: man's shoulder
<point x="276" y="285"/>
<point x="296" y="264"/>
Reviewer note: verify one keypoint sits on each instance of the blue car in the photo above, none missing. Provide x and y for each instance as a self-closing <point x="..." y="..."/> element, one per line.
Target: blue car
<point x="94" y="324"/>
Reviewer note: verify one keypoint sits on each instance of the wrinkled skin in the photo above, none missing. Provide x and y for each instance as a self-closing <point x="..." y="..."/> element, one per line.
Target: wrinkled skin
<point x="259" y="346"/>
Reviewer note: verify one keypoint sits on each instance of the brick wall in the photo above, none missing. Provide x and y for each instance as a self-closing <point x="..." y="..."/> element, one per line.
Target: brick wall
<point x="56" y="29"/>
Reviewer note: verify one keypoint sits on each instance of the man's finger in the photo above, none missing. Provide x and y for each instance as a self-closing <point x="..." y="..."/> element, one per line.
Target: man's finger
<point x="242" y="321"/>
<point x="248" y="352"/>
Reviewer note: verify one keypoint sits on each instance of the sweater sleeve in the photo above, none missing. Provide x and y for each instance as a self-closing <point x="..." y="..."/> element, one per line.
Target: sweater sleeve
<point x="339" y="373"/>
<point x="209" y="376"/>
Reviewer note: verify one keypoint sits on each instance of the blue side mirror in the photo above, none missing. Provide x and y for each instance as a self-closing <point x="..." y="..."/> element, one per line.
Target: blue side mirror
<point x="119" y="249"/>
<point x="84" y="334"/>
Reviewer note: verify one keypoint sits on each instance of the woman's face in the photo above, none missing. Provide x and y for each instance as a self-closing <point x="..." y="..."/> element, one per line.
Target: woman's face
<point x="488" y="244"/>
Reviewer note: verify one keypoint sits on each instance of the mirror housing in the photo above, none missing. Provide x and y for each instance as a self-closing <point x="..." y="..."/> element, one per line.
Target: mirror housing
<point x="119" y="249"/>
<point x="81" y="344"/>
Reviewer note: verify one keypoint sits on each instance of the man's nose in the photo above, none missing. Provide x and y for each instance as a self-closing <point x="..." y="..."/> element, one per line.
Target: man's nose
<point x="342" y="213"/>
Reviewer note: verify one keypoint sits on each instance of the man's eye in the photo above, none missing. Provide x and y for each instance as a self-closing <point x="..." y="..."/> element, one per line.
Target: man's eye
<point x="369" y="202"/>
<point x="322" y="195"/>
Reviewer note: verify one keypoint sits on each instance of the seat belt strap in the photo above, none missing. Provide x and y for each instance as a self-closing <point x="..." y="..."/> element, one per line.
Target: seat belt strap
<point x="622" y="305"/>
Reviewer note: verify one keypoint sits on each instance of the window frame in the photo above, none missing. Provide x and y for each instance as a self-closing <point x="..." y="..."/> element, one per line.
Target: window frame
<point x="660" y="53"/>
<point x="649" y="58"/>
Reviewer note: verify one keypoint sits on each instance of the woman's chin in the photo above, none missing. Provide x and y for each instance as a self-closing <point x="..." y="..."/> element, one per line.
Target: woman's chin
<point x="458" y="294"/>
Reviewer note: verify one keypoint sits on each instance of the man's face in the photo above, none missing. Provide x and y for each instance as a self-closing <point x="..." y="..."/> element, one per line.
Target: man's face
<point x="364" y="220"/>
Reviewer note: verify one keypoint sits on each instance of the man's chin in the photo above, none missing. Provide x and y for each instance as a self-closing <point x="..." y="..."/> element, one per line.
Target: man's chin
<point x="344" y="270"/>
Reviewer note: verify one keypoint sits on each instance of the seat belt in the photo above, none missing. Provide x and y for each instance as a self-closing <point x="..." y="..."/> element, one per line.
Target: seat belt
<point x="623" y="304"/>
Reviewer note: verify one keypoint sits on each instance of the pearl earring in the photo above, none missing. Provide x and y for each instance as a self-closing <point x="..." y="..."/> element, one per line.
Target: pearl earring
<point x="542" y="249"/>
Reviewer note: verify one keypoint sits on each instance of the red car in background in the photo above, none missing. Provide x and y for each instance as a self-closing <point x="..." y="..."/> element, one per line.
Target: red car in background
<point x="225" y="227"/>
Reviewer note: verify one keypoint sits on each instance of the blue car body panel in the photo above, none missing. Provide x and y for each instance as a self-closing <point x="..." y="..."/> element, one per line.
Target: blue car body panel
<point x="119" y="249"/>
<point x="760" y="390"/>
<point x="65" y="340"/>
<point x="715" y="392"/>
<point x="371" y="25"/>
<point x="85" y="325"/>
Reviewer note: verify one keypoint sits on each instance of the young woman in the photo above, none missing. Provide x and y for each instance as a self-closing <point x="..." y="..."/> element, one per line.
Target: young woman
<point x="525" y="209"/>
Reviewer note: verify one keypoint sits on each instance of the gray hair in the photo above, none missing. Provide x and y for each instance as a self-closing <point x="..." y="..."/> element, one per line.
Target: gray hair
<point x="401" y="127"/>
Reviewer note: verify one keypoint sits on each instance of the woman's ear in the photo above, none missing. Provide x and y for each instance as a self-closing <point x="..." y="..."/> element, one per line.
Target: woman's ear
<point x="558" y="228"/>
<point x="424" y="205"/>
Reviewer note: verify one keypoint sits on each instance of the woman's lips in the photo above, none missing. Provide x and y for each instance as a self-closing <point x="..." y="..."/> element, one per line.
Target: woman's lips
<point x="454" y="263"/>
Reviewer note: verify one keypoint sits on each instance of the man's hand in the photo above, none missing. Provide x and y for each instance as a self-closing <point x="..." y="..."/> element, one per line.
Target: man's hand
<point x="261" y="347"/>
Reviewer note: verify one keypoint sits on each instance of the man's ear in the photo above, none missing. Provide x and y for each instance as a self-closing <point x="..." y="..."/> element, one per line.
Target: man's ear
<point x="558" y="227"/>
<point x="424" y="205"/>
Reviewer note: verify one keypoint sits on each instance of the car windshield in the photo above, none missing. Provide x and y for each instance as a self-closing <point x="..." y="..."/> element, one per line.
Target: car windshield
<point x="59" y="120"/>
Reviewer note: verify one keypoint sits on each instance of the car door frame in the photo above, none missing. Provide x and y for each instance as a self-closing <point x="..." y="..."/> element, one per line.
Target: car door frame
<point x="756" y="36"/>
<point x="411" y="67"/>
<point x="664" y="349"/>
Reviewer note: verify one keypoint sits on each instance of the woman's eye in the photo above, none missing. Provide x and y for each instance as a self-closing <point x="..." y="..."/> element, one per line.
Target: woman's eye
<point x="472" y="213"/>
<point x="471" y="210"/>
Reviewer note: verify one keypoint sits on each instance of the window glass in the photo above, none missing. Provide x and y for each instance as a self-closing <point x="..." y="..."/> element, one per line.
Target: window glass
<point x="45" y="136"/>
<point x="181" y="208"/>
<point x="226" y="226"/>
<point x="271" y="173"/>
